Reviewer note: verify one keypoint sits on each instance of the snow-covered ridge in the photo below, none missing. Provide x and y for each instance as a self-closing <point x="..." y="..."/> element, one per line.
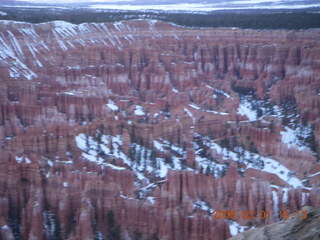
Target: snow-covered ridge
<point x="11" y="54"/>
<point x="19" y="40"/>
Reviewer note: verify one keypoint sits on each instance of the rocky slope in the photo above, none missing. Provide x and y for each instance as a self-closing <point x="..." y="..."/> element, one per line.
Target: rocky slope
<point x="296" y="227"/>
<point x="140" y="129"/>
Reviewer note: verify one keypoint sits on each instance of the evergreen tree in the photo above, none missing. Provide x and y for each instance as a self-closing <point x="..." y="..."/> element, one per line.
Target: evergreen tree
<point x="207" y="172"/>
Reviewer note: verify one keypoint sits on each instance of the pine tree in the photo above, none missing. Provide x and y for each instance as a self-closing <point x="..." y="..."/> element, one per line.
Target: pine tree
<point x="87" y="143"/>
<point x="207" y="172"/>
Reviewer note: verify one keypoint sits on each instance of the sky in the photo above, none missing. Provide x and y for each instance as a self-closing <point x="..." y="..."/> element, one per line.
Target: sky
<point x="74" y="1"/>
<point x="173" y="1"/>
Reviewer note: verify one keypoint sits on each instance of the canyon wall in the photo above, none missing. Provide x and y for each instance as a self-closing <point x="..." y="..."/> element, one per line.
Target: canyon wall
<point x="140" y="129"/>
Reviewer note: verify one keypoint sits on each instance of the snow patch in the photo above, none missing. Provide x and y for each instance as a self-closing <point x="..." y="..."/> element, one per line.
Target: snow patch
<point x="19" y="159"/>
<point x="112" y="106"/>
<point x="175" y="90"/>
<point x="245" y="110"/>
<point x="69" y="93"/>
<point x="285" y="196"/>
<point x="275" y="204"/>
<point x="139" y="111"/>
<point x="152" y="200"/>
<point x="202" y="205"/>
<point x="187" y="111"/>
<point x="236" y="228"/>
<point x="209" y="111"/>
<point x="194" y="106"/>
<point x="23" y="159"/>
<point x="28" y="161"/>
<point x="5" y="227"/>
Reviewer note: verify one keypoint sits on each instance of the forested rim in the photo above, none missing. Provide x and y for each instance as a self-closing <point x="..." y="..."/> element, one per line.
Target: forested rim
<point x="253" y="19"/>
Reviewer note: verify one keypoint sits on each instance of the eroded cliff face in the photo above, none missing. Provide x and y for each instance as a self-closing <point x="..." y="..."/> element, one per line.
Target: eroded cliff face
<point x="138" y="129"/>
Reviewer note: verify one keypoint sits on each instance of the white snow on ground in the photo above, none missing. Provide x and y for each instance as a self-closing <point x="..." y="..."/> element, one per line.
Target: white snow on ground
<point x="69" y="93"/>
<point x="139" y="111"/>
<point x="10" y="51"/>
<point x="194" y="106"/>
<point x="5" y="227"/>
<point x="64" y="28"/>
<point x="125" y="197"/>
<point x="275" y="204"/>
<point x="290" y="137"/>
<point x="175" y="90"/>
<point x="245" y="110"/>
<point x="2" y="14"/>
<point x="304" y="198"/>
<point x="144" y="191"/>
<point x="222" y="93"/>
<point x="23" y="159"/>
<point x="202" y="205"/>
<point x="215" y="112"/>
<point x="285" y="195"/>
<point x="277" y="111"/>
<point x="152" y="200"/>
<point x="28" y="161"/>
<point x="158" y="146"/>
<point x="111" y="105"/>
<point x="214" y="168"/>
<point x="81" y="141"/>
<point x="267" y="164"/>
<point x="236" y="228"/>
<point x="140" y="160"/>
<point x="49" y="162"/>
<point x="175" y="164"/>
<point x="19" y="159"/>
<point x="219" y="92"/>
<point x="186" y="110"/>
<point x="206" y="164"/>
<point x="313" y="175"/>
<point x="92" y="149"/>
<point x="209" y="111"/>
